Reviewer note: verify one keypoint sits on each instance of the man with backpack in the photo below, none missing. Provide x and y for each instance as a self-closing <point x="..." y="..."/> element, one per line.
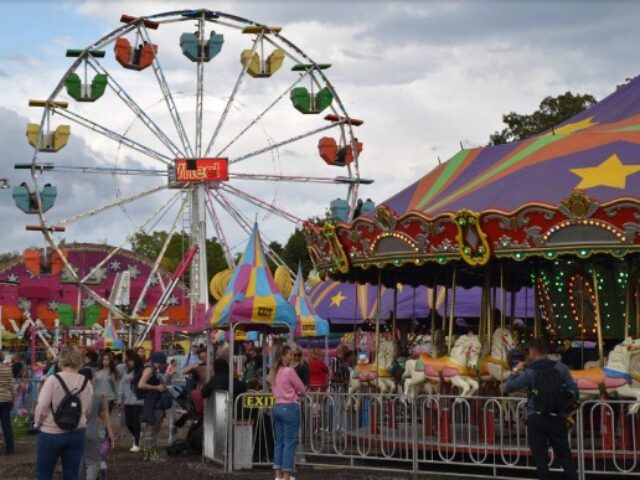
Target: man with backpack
<point x="551" y="390"/>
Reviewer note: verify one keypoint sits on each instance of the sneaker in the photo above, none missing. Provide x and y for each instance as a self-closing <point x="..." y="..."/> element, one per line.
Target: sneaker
<point x="135" y="449"/>
<point x="153" y="455"/>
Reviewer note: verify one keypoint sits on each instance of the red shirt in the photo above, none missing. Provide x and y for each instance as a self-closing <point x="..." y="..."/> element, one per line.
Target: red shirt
<point x="318" y="373"/>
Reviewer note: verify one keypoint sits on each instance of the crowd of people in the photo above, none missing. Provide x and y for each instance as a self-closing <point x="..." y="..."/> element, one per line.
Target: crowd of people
<point x="83" y="391"/>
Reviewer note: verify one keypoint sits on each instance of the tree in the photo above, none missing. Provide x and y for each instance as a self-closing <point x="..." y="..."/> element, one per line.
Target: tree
<point x="552" y="111"/>
<point x="295" y="252"/>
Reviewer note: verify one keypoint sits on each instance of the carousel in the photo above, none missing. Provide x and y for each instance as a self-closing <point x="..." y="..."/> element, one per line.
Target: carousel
<point x="558" y="215"/>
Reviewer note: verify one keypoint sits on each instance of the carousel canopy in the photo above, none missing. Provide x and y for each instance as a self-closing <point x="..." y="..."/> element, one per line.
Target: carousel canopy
<point x="251" y="297"/>
<point x="572" y="191"/>
<point x="336" y="301"/>
<point x="308" y="322"/>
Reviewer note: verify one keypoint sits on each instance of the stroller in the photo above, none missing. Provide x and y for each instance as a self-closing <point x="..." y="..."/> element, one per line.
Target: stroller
<point x="192" y="442"/>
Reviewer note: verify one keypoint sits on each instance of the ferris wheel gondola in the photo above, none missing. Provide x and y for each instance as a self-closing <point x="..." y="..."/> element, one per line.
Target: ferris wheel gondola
<point x="188" y="168"/>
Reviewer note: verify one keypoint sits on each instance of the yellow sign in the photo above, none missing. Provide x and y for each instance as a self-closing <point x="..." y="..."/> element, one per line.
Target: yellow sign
<point x="258" y="401"/>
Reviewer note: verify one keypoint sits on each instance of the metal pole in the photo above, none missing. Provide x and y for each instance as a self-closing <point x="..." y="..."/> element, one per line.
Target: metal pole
<point x="378" y="305"/>
<point x="627" y="306"/>
<point x="433" y="310"/>
<point x="230" y="406"/>
<point x="598" y="316"/>
<point x="395" y="311"/>
<point x="452" y="309"/>
<point x="536" y="316"/>
<point x="503" y="298"/>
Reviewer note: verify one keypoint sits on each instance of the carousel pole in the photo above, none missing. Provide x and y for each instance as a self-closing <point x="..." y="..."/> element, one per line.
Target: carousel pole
<point x="355" y="317"/>
<point x="378" y="307"/>
<point x="433" y="310"/>
<point x="536" y="316"/>
<point x="598" y="316"/>
<point x="503" y="298"/>
<point x="627" y="305"/>
<point x="394" y="316"/>
<point x="452" y="310"/>
<point x="413" y="312"/>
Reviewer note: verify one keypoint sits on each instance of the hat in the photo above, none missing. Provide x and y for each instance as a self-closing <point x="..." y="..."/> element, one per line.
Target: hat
<point x="158" y="357"/>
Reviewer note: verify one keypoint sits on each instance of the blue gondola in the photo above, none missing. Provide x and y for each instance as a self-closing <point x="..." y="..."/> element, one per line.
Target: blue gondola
<point x="26" y="200"/>
<point x="194" y="51"/>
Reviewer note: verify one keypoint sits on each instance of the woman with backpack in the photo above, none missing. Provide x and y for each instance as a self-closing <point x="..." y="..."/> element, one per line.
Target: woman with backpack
<point x="61" y="415"/>
<point x="106" y="379"/>
<point x="152" y="388"/>
<point x="287" y="389"/>
<point x="127" y="397"/>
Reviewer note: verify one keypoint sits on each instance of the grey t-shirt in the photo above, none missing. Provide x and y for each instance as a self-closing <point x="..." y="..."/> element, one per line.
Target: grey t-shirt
<point x="94" y="432"/>
<point x="105" y="384"/>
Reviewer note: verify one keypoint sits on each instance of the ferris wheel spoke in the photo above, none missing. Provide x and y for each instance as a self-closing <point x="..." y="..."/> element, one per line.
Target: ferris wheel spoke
<point x="227" y="107"/>
<point x="140" y="229"/>
<point x="156" y="265"/>
<point x="245" y="224"/>
<point x="118" y="203"/>
<point x="108" y="133"/>
<point x="262" y="204"/>
<point x="168" y="97"/>
<point x="52" y="167"/>
<point x="285" y="142"/>
<point x="262" y="114"/>
<point x="199" y="86"/>
<point x="135" y="108"/>
<point x="217" y="225"/>
<point x="267" y="177"/>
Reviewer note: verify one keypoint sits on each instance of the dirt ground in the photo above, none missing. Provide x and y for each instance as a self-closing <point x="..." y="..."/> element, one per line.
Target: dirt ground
<point x="123" y="465"/>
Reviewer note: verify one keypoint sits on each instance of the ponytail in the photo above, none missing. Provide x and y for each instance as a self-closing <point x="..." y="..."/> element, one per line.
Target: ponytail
<point x="277" y="365"/>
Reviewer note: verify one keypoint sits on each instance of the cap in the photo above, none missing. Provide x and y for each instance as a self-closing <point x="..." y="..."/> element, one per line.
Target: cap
<point x="158" y="357"/>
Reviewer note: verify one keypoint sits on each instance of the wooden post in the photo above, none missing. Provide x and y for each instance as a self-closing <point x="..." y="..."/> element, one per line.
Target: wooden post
<point x="598" y="316"/>
<point x="452" y="310"/>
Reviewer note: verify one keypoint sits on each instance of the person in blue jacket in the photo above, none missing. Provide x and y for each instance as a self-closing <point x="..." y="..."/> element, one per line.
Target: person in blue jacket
<point x="550" y="390"/>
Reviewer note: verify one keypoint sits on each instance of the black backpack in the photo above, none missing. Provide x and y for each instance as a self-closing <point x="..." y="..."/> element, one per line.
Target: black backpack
<point x="549" y="391"/>
<point x="69" y="411"/>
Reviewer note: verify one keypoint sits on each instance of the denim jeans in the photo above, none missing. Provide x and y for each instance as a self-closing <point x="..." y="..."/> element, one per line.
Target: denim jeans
<point x="286" y="419"/>
<point x="5" y="423"/>
<point x="68" y="447"/>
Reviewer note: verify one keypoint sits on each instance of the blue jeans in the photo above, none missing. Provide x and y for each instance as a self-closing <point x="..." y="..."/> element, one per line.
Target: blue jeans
<point x="286" y="419"/>
<point x="5" y="422"/>
<point x="68" y="447"/>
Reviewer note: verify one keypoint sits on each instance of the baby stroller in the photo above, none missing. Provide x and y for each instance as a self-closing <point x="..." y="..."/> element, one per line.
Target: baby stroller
<point x="192" y="441"/>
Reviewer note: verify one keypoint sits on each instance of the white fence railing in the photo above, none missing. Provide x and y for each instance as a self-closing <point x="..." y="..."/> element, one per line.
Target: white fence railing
<point x="433" y="434"/>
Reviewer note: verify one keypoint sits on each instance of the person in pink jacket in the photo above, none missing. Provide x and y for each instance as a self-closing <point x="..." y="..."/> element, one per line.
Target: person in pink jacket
<point x="287" y="389"/>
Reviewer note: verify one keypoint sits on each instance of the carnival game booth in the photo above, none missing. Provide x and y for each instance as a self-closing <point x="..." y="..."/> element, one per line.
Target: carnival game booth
<point x="251" y="302"/>
<point x="558" y="213"/>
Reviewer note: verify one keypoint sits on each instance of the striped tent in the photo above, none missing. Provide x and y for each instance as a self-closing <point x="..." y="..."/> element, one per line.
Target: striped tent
<point x="252" y="296"/>
<point x="308" y="322"/>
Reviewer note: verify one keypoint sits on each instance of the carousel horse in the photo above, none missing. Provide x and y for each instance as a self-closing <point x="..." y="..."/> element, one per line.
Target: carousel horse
<point x="458" y="368"/>
<point x="423" y="345"/>
<point x="496" y="366"/>
<point x="375" y="374"/>
<point x="615" y="378"/>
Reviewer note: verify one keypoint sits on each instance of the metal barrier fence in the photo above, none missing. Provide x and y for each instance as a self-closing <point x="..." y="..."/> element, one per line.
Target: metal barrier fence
<point x="216" y="420"/>
<point x="433" y="434"/>
<point x="26" y="397"/>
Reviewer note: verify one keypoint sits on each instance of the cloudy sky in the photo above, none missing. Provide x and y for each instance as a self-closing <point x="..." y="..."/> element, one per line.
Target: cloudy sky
<point x="424" y="76"/>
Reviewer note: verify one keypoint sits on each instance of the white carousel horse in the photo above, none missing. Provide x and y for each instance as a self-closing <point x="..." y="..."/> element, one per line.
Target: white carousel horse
<point x="458" y="368"/>
<point x="377" y="373"/>
<point x="423" y="344"/>
<point x="496" y="366"/>
<point x="615" y="378"/>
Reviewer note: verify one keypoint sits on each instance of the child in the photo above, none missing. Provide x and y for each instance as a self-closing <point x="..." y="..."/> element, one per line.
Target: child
<point x="98" y="438"/>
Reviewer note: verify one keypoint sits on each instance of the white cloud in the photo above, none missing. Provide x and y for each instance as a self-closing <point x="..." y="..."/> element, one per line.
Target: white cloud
<point x="423" y="77"/>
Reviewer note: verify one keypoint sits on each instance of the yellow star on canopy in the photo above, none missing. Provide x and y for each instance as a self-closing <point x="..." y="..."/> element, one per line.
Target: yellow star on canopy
<point x="573" y="127"/>
<point x="610" y="173"/>
<point x="337" y="299"/>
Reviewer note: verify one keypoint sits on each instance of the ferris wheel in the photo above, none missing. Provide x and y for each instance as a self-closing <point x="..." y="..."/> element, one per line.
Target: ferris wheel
<point x="191" y="121"/>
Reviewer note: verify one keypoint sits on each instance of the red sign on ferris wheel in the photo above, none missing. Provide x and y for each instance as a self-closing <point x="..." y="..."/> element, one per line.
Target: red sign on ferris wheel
<point x="195" y="170"/>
